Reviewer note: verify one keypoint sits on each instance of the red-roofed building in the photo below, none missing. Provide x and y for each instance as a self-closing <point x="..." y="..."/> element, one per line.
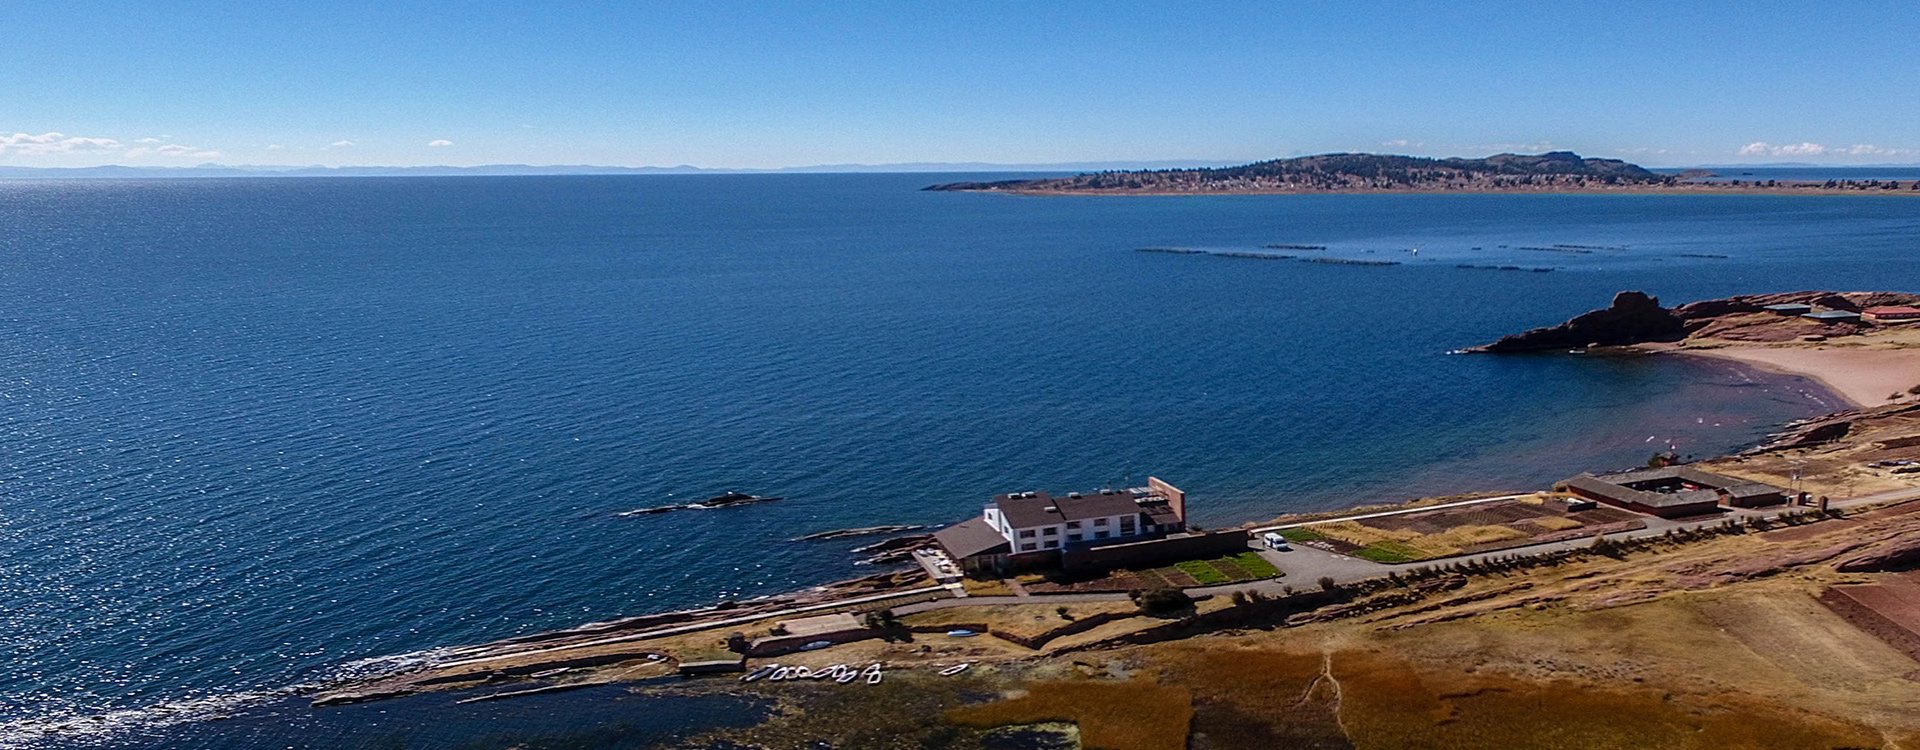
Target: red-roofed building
<point x="1894" y="314"/>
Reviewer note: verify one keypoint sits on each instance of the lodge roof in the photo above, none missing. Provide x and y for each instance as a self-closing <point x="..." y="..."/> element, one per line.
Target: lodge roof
<point x="1029" y="509"/>
<point x="972" y="537"/>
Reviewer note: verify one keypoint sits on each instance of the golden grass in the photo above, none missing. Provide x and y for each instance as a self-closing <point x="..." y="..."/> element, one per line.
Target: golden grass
<point x="1385" y="703"/>
<point x="1023" y="619"/>
<point x="1355" y="532"/>
<point x="994" y="587"/>
<point x="1131" y="715"/>
<point x="1449" y="542"/>
<point x="1461" y="537"/>
<point x="1555" y="523"/>
<point x="1252" y="698"/>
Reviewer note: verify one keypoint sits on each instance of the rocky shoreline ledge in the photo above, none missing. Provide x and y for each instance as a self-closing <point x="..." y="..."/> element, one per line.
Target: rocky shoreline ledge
<point x="1109" y="648"/>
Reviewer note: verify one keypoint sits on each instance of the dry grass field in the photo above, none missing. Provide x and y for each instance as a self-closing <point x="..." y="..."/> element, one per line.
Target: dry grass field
<point x="1471" y="529"/>
<point x="1111" y="715"/>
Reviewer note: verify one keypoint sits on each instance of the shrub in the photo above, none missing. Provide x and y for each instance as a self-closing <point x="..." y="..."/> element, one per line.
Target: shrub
<point x="1063" y="612"/>
<point x="1327" y="583"/>
<point x="1161" y="599"/>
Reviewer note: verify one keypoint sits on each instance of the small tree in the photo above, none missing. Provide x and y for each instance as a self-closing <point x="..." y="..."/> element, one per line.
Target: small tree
<point x="1161" y="599"/>
<point x="1327" y="583"/>
<point x="1063" y="612"/>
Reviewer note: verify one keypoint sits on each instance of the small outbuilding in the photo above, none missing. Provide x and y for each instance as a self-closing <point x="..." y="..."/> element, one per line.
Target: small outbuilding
<point x="1790" y="309"/>
<point x="1893" y="314"/>
<point x="1674" y="491"/>
<point x="1833" y="316"/>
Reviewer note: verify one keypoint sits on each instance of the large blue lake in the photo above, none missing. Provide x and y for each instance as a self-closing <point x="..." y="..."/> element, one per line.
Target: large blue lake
<point x="254" y="432"/>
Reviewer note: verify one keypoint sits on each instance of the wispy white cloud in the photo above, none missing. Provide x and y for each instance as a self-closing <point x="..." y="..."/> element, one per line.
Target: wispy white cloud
<point x="55" y="144"/>
<point x="341" y="144"/>
<point x="159" y="148"/>
<point x="439" y="143"/>
<point x="1402" y="143"/>
<point x="1809" y="148"/>
<point x="1868" y="149"/>
<point x="52" y="143"/>
<point x="1518" y="148"/>
<point x="1763" y="148"/>
<point x="275" y="147"/>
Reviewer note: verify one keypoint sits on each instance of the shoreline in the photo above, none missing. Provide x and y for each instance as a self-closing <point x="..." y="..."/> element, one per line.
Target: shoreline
<point x="1863" y="378"/>
<point x="1837" y="368"/>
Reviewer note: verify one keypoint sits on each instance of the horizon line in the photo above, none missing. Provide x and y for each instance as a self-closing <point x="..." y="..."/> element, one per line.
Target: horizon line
<point x="211" y="169"/>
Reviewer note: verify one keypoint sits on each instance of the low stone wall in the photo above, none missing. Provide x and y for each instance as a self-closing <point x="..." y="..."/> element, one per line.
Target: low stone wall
<point x="1155" y="551"/>
<point x="578" y="662"/>
<point x="714" y="666"/>
<point x="1080" y="625"/>
<point x="977" y="627"/>
<point x="787" y="644"/>
<point x="1252" y="614"/>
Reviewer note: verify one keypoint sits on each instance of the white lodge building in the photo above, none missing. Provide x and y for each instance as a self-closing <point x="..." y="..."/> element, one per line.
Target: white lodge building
<point x="1034" y="529"/>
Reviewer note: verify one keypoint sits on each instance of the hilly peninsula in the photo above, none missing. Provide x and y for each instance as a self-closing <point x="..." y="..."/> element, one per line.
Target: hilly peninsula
<point x="1551" y="172"/>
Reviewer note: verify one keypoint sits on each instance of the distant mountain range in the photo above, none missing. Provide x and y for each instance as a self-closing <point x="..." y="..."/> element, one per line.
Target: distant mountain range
<point x="222" y="170"/>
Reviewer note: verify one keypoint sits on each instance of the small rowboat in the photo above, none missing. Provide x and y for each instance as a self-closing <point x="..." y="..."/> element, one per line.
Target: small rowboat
<point x="872" y="673"/>
<point x="816" y="645"/>
<point x="759" y="673"/>
<point x="961" y="633"/>
<point x="955" y="669"/>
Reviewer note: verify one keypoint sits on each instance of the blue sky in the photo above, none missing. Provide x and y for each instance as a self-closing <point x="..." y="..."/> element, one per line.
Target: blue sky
<point x="776" y="84"/>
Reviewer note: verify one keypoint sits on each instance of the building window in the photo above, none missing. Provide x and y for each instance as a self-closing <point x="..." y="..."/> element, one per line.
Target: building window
<point x="1126" y="525"/>
<point x="1028" y="547"/>
<point x="1074" y="537"/>
<point x="1050" y="543"/>
<point x="1073" y="524"/>
<point x="1050" y="531"/>
<point x="1099" y="522"/>
<point x="1026" y="533"/>
<point x="1099" y="535"/>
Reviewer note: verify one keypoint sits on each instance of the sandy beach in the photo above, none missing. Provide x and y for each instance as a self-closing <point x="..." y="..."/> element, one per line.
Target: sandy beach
<point x="1862" y="376"/>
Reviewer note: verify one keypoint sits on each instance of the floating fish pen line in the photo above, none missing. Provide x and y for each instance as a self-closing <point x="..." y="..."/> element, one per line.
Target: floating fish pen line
<point x="1172" y="250"/>
<point x="1554" y="249"/>
<point x="1704" y="255"/>
<point x="1255" y="256"/>
<point x="1287" y="246"/>
<point x="1591" y="247"/>
<point x="1535" y="269"/>
<point x="1351" y="262"/>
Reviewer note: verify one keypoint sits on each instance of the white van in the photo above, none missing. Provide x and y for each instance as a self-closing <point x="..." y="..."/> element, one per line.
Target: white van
<point x="1275" y="541"/>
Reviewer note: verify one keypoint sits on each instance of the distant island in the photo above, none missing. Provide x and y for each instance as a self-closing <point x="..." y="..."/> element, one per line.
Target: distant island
<point x="1551" y="172"/>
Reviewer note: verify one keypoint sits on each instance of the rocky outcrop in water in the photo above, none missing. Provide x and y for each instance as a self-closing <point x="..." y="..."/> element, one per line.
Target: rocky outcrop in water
<point x="1633" y="318"/>
<point x="1636" y="318"/>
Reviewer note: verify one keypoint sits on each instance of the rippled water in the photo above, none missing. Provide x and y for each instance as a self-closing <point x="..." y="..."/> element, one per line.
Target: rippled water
<point x="254" y="432"/>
